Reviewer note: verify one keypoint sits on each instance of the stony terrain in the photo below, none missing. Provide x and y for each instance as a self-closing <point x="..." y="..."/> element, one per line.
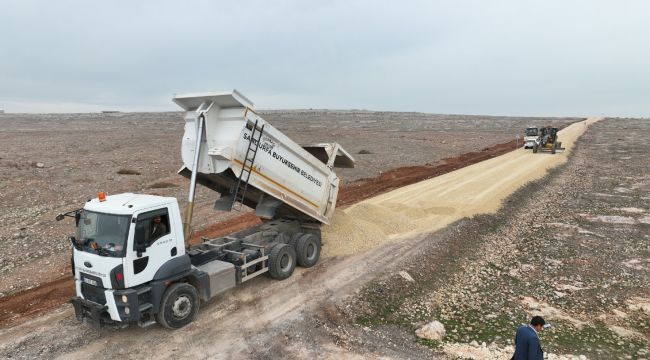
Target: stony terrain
<point x="573" y="247"/>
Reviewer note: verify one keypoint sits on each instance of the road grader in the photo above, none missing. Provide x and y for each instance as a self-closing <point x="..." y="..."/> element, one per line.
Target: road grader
<point x="547" y="140"/>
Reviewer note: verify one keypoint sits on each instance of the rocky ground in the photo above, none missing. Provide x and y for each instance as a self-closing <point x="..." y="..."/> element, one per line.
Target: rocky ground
<point x="52" y="163"/>
<point x="573" y="247"/>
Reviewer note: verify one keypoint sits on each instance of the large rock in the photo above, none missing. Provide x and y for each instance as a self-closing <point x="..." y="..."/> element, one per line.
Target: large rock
<point x="432" y="331"/>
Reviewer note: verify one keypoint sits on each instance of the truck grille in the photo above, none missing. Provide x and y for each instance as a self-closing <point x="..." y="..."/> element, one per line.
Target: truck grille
<point x="93" y="293"/>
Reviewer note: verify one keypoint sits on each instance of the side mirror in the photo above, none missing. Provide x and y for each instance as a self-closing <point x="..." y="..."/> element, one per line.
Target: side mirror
<point x="60" y="217"/>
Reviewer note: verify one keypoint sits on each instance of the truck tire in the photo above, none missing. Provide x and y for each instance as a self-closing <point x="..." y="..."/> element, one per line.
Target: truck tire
<point x="535" y="147"/>
<point x="307" y="250"/>
<point x="282" y="261"/>
<point x="179" y="306"/>
<point x="554" y="148"/>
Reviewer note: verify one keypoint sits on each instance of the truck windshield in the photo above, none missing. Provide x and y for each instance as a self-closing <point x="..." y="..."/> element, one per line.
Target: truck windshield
<point x="531" y="132"/>
<point x="103" y="234"/>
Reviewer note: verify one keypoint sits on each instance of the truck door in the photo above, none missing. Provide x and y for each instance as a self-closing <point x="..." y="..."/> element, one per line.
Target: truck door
<point x="153" y="230"/>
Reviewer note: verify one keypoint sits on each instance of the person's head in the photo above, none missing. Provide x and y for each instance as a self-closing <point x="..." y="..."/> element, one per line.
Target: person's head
<point x="157" y="220"/>
<point x="537" y="322"/>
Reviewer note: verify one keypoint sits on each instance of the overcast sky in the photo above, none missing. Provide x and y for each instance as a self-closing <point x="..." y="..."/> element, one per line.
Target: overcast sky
<point x="510" y="57"/>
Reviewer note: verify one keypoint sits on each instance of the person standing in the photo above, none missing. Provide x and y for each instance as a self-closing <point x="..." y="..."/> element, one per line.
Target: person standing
<point x="527" y="344"/>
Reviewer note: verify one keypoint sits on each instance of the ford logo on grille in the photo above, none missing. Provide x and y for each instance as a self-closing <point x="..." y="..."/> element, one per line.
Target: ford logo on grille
<point x="88" y="264"/>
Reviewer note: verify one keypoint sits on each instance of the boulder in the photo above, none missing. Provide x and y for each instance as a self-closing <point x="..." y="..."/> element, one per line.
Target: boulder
<point x="432" y="331"/>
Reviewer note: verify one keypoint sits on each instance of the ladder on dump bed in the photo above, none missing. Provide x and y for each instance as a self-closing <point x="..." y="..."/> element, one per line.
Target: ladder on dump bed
<point x="247" y="167"/>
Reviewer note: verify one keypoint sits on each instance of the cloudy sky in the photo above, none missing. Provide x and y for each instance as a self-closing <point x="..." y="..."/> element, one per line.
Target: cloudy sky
<point x="500" y="57"/>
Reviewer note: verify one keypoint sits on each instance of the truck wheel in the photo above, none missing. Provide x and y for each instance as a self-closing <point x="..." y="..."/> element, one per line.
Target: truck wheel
<point x="179" y="306"/>
<point x="553" y="148"/>
<point x="535" y="147"/>
<point x="282" y="261"/>
<point x="307" y="250"/>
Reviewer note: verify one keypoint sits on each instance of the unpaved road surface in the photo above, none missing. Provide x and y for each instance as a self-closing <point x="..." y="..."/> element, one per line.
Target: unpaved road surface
<point x="430" y="205"/>
<point x="258" y="319"/>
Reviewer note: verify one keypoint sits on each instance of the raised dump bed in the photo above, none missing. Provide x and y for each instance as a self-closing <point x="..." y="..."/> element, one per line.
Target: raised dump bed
<point x="285" y="179"/>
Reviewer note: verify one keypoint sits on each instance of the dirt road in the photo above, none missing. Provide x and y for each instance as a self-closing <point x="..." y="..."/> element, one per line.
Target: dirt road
<point x="250" y="321"/>
<point x="430" y="205"/>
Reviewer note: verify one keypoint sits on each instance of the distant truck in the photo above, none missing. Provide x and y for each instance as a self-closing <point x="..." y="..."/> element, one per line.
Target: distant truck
<point x="530" y="137"/>
<point x="131" y="259"/>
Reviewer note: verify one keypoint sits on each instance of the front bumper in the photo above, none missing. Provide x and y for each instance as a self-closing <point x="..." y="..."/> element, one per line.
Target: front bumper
<point x="91" y="311"/>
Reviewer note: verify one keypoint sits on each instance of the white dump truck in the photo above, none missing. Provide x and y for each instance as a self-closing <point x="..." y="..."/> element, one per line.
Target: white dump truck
<point x="531" y="136"/>
<point x="131" y="259"/>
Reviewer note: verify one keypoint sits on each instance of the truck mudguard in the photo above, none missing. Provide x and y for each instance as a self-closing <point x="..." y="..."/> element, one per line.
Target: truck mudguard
<point x="175" y="266"/>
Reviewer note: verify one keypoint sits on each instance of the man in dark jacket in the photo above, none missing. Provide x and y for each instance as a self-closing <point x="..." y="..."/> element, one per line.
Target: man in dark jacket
<point x="527" y="345"/>
<point x="158" y="228"/>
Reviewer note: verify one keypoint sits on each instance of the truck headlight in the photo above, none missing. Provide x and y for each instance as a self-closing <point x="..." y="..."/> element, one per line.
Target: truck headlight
<point x="125" y="299"/>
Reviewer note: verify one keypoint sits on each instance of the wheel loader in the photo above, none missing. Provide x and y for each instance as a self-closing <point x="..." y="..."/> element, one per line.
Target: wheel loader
<point x="547" y="140"/>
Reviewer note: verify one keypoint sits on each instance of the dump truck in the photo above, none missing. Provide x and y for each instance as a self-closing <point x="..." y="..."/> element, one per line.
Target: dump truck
<point x="131" y="259"/>
<point x="547" y="140"/>
<point x="530" y="137"/>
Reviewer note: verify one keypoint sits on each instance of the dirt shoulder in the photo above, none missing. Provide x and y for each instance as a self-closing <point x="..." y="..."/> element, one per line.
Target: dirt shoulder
<point x="572" y="247"/>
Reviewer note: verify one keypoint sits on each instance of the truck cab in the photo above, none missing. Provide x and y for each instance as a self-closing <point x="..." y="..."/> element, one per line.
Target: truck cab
<point x="131" y="264"/>
<point x="531" y="137"/>
<point x="121" y="244"/>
